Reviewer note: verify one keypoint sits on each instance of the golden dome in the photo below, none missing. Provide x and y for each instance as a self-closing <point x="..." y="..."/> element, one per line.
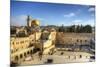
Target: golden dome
<point x="35" y="22"/>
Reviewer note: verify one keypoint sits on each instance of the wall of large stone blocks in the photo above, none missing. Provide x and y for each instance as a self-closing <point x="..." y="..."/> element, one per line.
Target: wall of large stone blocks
<point x="74" y="38"/>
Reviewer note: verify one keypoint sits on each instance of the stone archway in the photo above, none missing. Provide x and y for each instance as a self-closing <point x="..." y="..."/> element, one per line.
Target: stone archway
<point x="28" y="52"/>
<point x="80" y="56"/>
<point x="25" y="54"/>
<point x="31" y="51"/>
<point x="16" y="58"/>
<point x="21" y="56"/>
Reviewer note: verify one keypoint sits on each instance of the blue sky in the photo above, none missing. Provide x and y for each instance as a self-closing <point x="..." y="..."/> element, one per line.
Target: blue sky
<point x="52" y="14"/>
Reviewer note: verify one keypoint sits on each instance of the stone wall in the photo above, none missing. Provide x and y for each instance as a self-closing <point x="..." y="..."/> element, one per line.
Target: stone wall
<point x="74" y="38"/>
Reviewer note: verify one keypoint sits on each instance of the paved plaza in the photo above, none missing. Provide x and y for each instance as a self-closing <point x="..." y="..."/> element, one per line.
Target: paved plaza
<point x="59" y="57"/>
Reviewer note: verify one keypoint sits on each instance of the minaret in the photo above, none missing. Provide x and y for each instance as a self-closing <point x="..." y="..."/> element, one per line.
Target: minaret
<point x="28" y="20"/>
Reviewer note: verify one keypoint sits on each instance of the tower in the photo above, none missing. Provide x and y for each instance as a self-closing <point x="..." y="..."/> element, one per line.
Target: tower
<point x="28" y="20"/>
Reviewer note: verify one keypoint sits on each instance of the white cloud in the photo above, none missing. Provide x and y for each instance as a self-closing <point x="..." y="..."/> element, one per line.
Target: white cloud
<point x="69" y="15"/>
<point x="76" y="22"/>
<point x="93" y="15"/>
<point x="91" y="9"/>
<point x="88" y="22"/>
<point x="68" y="23"/>
<point x="61" y="23"/>
<point x="41" y="19"/>
<point x="19" y="20"/>
<point x="22" y="17"/>
<point x="13" y="22"/>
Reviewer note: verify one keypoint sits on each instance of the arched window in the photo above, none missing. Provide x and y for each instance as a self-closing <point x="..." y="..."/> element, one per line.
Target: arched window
<point x="16" y="58"/>
<point x="69" y="57"/>
<point x="25" y="54"/>
<point x="80" y="56"/>
<point x="21" y="56"/>
<point x="85" y="40"/>
<point x="77" y="40"/>
<point x="31" y="51"/>
<point x="28" y="52"/>
<point x="80" y="41"/>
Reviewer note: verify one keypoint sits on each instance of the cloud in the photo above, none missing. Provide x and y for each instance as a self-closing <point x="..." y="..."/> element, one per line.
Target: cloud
<point x="18" y="20"/>
<point x="76" y="22"/>
<point x="90" y="22"/>
<point x="41" y="19"/>
<point x="93" y="15"/>
<point x="92" y="9"/>
<point x="13" y="22"/>
<point x="69" y="15"/>
<point x="68" y="23"/>
<point x="22" y="17"/>
<point x="61" y="23"/>
<point x="87" y="22"/>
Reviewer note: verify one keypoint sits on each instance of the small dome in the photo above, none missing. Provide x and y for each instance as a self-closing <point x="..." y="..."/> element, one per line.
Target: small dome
<point x="35" y="22"/>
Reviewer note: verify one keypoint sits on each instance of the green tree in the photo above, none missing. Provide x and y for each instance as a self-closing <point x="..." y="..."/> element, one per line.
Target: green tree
<point x="87" y="29"/>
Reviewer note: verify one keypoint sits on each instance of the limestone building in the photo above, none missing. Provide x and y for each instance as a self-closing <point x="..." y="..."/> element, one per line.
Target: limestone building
<point x="30" y="38"/>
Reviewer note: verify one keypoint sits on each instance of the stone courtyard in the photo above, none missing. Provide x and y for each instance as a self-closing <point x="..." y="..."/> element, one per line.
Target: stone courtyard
<point x="59" y="57"/>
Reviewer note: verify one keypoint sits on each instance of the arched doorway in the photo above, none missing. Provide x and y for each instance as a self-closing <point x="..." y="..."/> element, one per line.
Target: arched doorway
<point x="31" y="51"/>
<point x="28" y="52"/>
<point x="80" y="56"/>
<point x="21" y="56"/>
<point x="25" y="54"/>
<point x="16" y="58"/>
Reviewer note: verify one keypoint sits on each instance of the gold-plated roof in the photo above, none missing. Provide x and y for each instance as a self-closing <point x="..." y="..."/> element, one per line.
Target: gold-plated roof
<point x="35" y="22"/>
